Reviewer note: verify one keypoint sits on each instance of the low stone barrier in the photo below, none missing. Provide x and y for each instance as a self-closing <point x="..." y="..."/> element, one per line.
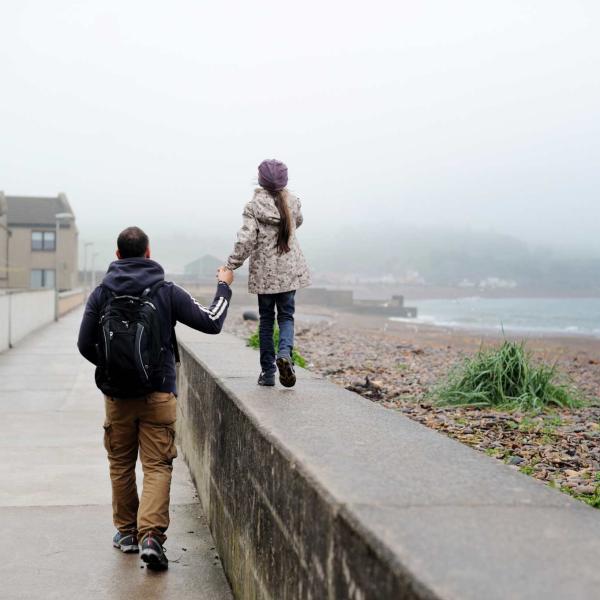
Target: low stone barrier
<point x="68" y="301"/>
<point x="4" y="321"/>
<point x="22" y="312"/>
<point x="316" y="493"/>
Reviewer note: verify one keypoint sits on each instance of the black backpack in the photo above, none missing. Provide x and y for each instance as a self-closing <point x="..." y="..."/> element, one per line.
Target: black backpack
<point x="130" y="350"/>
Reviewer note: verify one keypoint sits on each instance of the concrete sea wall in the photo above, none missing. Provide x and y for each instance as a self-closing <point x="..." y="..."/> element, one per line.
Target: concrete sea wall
<point x="317" y="493"/>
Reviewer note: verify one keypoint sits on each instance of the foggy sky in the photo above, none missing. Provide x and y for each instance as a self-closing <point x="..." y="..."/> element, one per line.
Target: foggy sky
<point x="470" y="113"/>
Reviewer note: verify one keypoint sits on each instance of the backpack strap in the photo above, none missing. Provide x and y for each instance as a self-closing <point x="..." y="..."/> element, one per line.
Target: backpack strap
<point x="149" y="293"/>
<point x="175" y="347"/>
<point x="106" y="295"/>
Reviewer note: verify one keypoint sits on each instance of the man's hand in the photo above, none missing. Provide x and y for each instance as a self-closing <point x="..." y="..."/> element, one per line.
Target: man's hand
<point x="225" y="274"/>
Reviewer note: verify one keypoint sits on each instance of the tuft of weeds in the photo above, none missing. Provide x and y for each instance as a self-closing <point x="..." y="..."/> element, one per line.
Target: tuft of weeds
<point x="506" y="378"/>
<point x="495" y="452"/>
<point x="591" y="499"/>
<point x="553" y="421"/>
<point x="528" y="425"/>
<point x="254" y="342"/>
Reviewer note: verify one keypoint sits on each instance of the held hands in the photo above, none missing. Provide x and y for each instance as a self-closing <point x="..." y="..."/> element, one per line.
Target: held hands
<point x="225" y="274"/>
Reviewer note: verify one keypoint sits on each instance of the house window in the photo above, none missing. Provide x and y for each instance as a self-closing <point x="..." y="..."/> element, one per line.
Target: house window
<point x="42" y="278"/>
<point x="43" y="240"/>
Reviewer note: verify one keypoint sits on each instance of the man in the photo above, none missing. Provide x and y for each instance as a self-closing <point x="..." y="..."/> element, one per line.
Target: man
<point x="145" y="419"/>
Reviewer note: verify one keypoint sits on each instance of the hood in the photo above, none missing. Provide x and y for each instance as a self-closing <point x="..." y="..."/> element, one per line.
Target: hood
<point x="132" y="275"/>
<point x="264" y="207"/>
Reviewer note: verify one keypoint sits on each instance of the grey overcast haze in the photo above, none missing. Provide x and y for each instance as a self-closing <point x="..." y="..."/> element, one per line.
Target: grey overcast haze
<point x="467" y="114"/>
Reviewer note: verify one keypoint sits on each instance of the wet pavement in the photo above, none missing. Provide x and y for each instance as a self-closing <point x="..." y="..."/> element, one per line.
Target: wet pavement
<point x="55" y="490"/>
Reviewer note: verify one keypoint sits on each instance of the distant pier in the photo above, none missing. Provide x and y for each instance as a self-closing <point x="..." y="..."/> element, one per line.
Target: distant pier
<point x="344" y="300"/>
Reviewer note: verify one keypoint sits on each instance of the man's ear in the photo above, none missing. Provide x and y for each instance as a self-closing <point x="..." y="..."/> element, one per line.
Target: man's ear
<point x="118" y="254"/>
<point x="147" y="253"/>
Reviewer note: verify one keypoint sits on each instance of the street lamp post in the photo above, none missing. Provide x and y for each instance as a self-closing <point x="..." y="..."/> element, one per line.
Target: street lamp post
<point x="59" y="217"/>
<point x="93" y="287"/>
<point x="86" y="245"/>
<point x="8" y="235"/>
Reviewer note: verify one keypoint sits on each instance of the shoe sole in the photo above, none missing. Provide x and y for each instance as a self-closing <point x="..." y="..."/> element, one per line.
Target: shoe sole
<point x="287" y="377"/>
<point x="127" y="549"/>
<point x="267" y="384"/>
<point x="152" y="560"/>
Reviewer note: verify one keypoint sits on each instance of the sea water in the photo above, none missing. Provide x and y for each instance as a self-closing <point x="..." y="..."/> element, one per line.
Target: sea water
<point x="564" y="316"/>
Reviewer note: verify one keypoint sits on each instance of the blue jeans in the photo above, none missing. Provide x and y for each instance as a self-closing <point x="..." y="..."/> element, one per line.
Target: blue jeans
<point x="285" y="303"/>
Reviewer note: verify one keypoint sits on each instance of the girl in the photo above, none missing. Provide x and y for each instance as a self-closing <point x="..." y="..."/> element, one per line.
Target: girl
<point x="277" y="266"/>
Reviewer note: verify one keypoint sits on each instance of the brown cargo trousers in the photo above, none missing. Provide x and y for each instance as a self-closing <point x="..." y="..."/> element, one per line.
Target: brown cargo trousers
<point x="147" y="424"/>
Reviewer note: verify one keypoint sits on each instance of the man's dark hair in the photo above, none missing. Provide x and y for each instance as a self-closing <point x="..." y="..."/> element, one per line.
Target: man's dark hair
<point x="132" y="243"/>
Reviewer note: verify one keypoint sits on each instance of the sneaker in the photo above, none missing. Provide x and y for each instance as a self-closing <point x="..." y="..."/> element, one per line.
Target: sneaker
<point x="153" y="554"/>
<point x="264" y="379"/>
<point x="287" y="376"/>
<point x="127" y="542"/>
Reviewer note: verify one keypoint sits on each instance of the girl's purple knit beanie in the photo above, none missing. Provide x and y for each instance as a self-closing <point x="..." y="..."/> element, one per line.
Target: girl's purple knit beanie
<point x="272" y="174"/>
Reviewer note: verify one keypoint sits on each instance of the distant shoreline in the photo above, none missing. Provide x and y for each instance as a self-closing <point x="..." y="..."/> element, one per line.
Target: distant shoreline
<point x="384" y="291"/>
<point x="379" y="291"/>
<point x="463" y="336"/>
<point x="242" y="300"/>
<point x="497" y="332"/>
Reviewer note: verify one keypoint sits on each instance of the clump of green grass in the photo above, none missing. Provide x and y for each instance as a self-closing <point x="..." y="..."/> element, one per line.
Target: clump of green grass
<point x="506" y="378"/>
<point x="297" y="358"/>
<point x="592" y="499"/>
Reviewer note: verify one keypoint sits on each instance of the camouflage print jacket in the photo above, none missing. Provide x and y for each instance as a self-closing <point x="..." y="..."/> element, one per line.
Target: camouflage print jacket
<point x="270" y="272"/>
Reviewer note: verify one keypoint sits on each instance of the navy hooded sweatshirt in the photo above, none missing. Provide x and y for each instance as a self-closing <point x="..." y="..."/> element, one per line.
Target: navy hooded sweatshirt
<point x="132" y="276"/>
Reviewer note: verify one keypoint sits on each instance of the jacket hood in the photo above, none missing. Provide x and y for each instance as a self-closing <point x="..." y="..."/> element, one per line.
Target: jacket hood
<point x="132" y="275"/>
<point x="264" y="207"/>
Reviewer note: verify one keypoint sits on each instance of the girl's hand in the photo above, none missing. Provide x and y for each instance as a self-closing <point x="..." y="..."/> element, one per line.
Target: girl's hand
<point x="225" y="274"/>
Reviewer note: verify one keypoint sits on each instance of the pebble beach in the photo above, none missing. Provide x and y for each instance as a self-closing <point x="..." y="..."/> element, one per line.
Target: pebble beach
<point x="399" y="365"/>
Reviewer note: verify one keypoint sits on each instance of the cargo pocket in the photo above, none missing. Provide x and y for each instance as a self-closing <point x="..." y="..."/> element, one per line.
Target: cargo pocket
<point x="107" y="437"/>
<point x="170" y="446"/>
<point x="159" y="398"/>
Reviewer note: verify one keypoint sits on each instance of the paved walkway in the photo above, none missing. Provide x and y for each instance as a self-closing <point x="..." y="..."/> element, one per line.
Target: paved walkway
<point x="55" y="508"/>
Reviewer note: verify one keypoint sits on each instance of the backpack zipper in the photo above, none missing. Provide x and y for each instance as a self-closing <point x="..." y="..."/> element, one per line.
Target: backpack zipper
<point x="106" y="351"/>
<point x="140" y="351"/>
